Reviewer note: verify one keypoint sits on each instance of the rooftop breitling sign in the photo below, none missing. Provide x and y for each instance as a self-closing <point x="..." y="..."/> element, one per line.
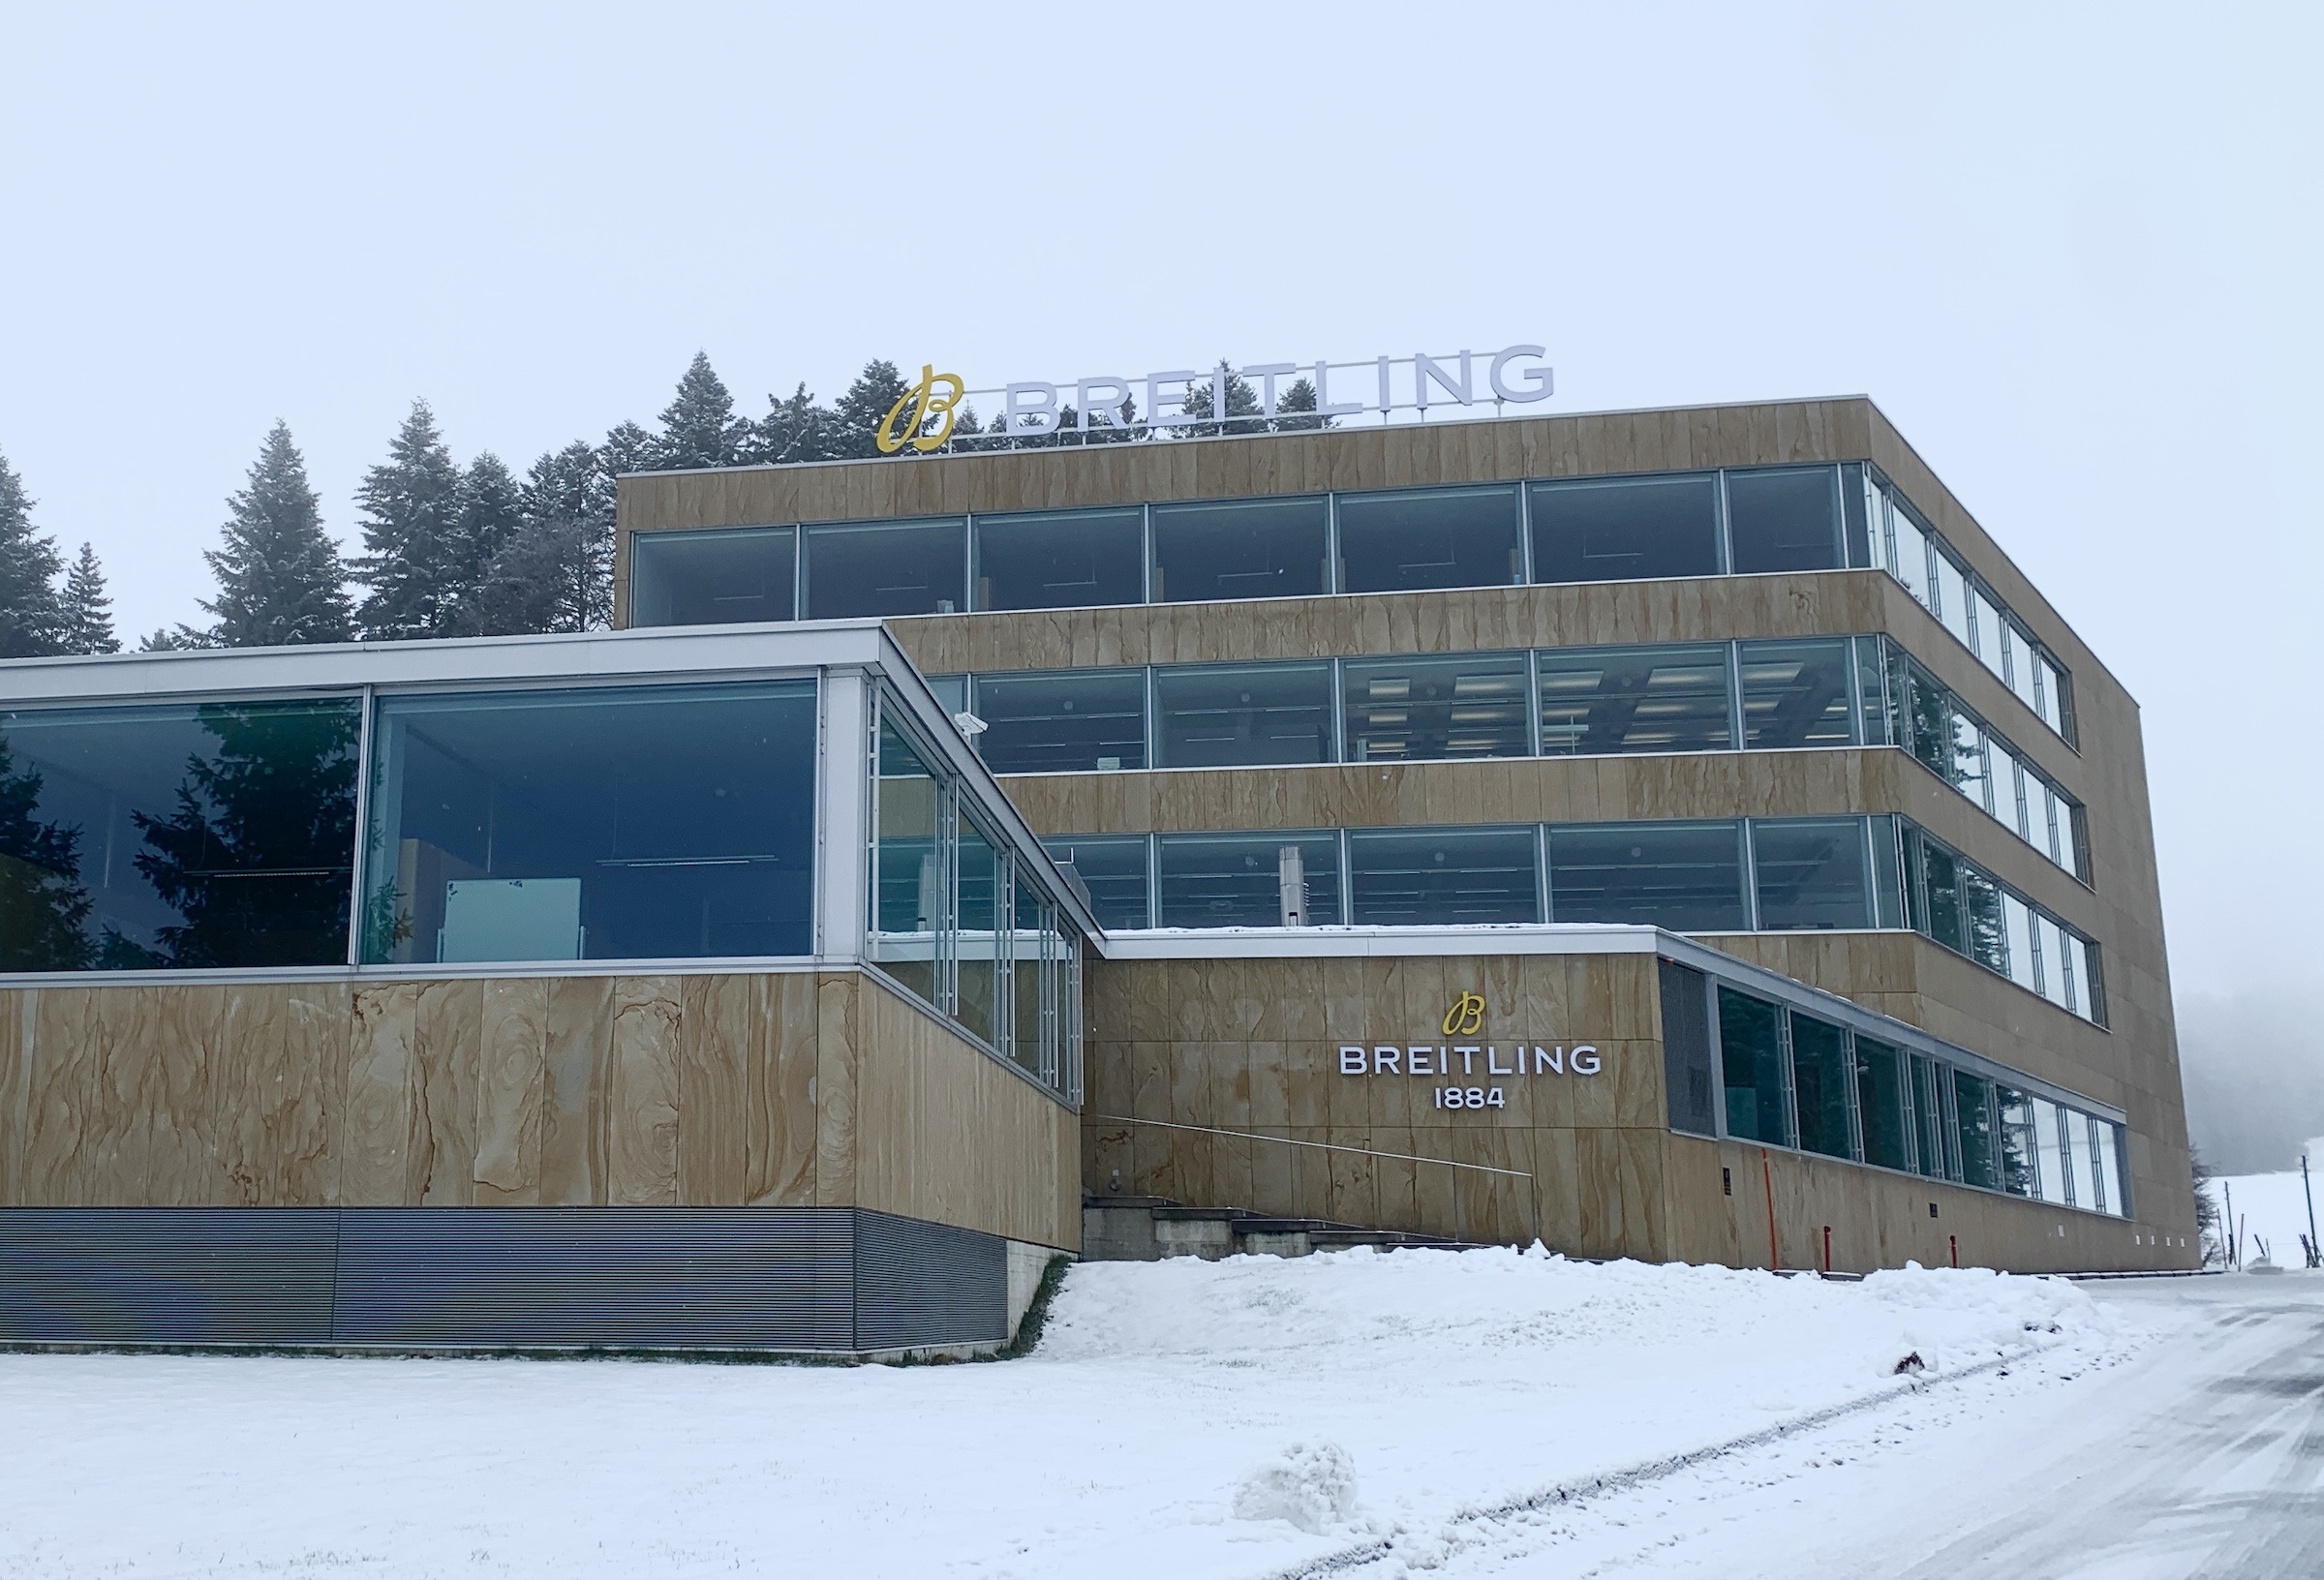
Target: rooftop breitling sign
<point x="1174" y="400"/>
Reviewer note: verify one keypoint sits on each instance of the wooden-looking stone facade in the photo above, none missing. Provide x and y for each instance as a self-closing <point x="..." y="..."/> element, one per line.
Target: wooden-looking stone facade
<point x="795" y="1088"/>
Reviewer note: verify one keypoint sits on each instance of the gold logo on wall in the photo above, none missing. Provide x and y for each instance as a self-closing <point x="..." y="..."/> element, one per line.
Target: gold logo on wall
<point x="932" y="399"/>
<point x="1466" y="1017"/>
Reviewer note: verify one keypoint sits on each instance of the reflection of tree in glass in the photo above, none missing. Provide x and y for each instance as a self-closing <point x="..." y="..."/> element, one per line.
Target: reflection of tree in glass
<point x="42" y="906"/>
<point x="258" y="854"/>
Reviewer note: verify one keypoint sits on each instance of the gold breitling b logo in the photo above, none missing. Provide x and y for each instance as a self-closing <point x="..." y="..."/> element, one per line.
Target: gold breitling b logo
<point x="932" y="399"/>
<point x="1466" y="1017"/>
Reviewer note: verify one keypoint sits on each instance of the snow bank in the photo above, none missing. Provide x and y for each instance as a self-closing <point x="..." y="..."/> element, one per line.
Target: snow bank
<point x="1179" y="1419"/>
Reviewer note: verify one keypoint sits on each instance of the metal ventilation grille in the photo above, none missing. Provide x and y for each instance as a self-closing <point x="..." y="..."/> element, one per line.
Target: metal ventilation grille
<point x="922" y="1284"/>
<point x="829" y="1278"/>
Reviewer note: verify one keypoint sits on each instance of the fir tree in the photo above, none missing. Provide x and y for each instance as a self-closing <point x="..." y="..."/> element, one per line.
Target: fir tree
<point x="555" y="573"/>
<point x="31" y="618"/>
<point x="88" y="623"/>
<point x="491" y="511"/>
<point x="699" y="428"/>
<point x="865" y="406"/>
<point x="795" y="430"/>
<point x="410" y="524"/>
<point x="627" y="448"/>
<point x="44" y="908"/>
<point x="280" y="577"/>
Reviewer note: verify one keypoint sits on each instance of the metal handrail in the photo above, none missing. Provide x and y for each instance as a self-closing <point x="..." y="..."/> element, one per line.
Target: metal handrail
<point x="1532" y="1203"/>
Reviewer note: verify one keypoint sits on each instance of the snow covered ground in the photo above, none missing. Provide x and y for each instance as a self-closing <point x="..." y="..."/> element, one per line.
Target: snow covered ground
<point x="2274" y="1207"/>
<point x="1183" y="1418"/>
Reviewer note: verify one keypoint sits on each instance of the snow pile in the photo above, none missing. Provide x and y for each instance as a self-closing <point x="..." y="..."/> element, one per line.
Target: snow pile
<point x="1533" y="1315"/>
<point x="1310" y="1487"/>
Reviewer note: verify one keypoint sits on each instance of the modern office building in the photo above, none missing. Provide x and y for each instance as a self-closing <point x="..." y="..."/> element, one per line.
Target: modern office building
<point x="1670" y="834"/>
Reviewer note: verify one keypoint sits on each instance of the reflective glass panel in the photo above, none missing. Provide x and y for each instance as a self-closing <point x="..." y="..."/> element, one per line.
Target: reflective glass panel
<point x="177" y="836"/>
<point x="1986" y="620"/>
<point x="976" y="945"/>
<point x="2017" y="1147"/>
<point x="1924" y="715"/>
<point x="1964" y="765"/>
<point x="2073" y="1155"/>
<point x="1797" y="694"/>
<point x="1428" y="538"/>
<point x="2089" y="988"/>
<point x="1241" y="549"/>
<point x="1062" y="721"/>
<point x="2051" y="942"/>
<point x="1684" y="876"/>
<point x="1952" y="596"/>
<point x="2106" y="1161"/>
<point x="1247" y="880"/>
<point x="1941" y="892"/>
<point x="2023" y="666"/>
<point x="1112" y="866"/>
<point x="2052" y="696"/>
<point x="1784" y="518"/>
<point x="1860" y="513"/>
<point x="1881" y="1103"/>
<point x="1981" y="907"/>
<point x="2017" y="921"/>
<point x="1940" y="1141"/>
<point x="952" y="690"/>
<point x="643" y="823"/>
<point x="1459" y="705"/>
<point x="2001" y="774"/>
<point x="1810" y="872"/>
<point x="1911" y="564"/>
<point x="1973" y="1117"/>
<point x="1750" y="1059"/>
<point x="1820" y="1078"/>
<point x="2049" y="1161"/>
<point x="1442" y="877"/>
<point x="886" y="567"/>
<point x="2063" y="836"/>
<point x="1033" y="920"/>
<point x="714" y="578"/>
<point x="1060" y="559"/>
<point x="1872" y="703"/>
<point x="1625" y="529"/>
<point x="1607" y="700"/>
<point x="1237" y="715"/>
<point x="907" y="881"/>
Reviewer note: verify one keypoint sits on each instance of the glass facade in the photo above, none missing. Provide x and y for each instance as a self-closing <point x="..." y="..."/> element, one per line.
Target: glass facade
<point x="956" y="917"/>
<point x="1793" y="1078"/>
<point x="639" y="823"/>
<point x="1442" y="706"/>
<point x="177" y="836"/>
<point x="1962" y="906"/>
<point x="1926" y="718"/>
<point x="1742" y="522"/>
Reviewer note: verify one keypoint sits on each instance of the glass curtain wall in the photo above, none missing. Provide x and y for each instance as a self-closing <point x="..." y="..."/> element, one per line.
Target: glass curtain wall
<point x="1968" y="910"/>
<point x="956" y="919"/>
<point x="632" y="823"/>
<point x="179" y="836"/>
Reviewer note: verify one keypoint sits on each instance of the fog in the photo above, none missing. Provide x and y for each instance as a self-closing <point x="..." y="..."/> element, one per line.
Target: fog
<point x="2072" y="251"/>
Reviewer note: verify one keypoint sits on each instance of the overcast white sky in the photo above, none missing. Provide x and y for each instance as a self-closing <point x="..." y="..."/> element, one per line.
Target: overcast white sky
<point x="2072" y="252"/>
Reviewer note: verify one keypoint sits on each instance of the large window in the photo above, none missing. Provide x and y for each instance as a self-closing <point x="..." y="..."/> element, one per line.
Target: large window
<point x="1751" y="1056"/>
<point x="644" y="823"/>
<point x="1460" y="878"/>
<point x="1428" y="538"/>
<point x="886" y="567"/>
<point x="1606" y="700"/>
<point x="1625" y="529"/>
<point x="1684" y="876"/>
<point x="1798" y="694"/>
<point x="1112" y="867"/>
<point x="1247" y="880"/>
<point x="1242" y="549"/>
<point x="1881" y="1104"/>
<point x="1457" y="705"/>
<point x="1812" y="873"/>
<point x="1062" y="721"/>
<point x="1060" y="559"/>
<point x="177" y="836"/>
<point x="910" y="888"/>
<point x="1784" y="518"/>
<point x="1962" y="906"/>
<point x="714" y="578"/>
<point x="1820" y="1077"/>
<point x="1237" y="715"/>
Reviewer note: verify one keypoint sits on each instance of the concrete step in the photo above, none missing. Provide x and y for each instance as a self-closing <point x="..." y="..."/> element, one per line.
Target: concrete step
<point x="1148" y="1229"/>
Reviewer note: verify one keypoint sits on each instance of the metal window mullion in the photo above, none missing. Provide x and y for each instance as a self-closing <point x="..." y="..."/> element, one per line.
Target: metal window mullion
<point x="1154" y="716"/>
<point x="1146" y="570"/>
<point x="1909" y="1082"/>
<point x="1735" y="722"/>
<point x="1790" y="1075"/>
<point x="358" y="875"/>
<point x="1542" y="896"/>
<point x="1339" y="711"/>
<point x="1004" y="952"/>
<point x="1153" y="879"/>
<point x="1751" y="873"/>
<point x="1533" y="702"/>
<point x="1710" y="1014"/>
<point x="948" y="898"/>
<point x="1726" y="537"/>
<point x="1526" y="535"/>
<point x="1853" y="1097"/>
<point x="1331" y="566"/>
<point x="1346" y="877"/>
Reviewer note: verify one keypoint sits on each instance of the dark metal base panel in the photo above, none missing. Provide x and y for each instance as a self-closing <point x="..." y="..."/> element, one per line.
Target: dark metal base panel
<point x="837" y="1280"/>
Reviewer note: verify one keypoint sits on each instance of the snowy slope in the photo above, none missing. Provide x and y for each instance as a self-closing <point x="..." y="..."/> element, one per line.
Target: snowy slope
<point x="2274" y="1207"/>
<point x="1181" y="1418"/>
